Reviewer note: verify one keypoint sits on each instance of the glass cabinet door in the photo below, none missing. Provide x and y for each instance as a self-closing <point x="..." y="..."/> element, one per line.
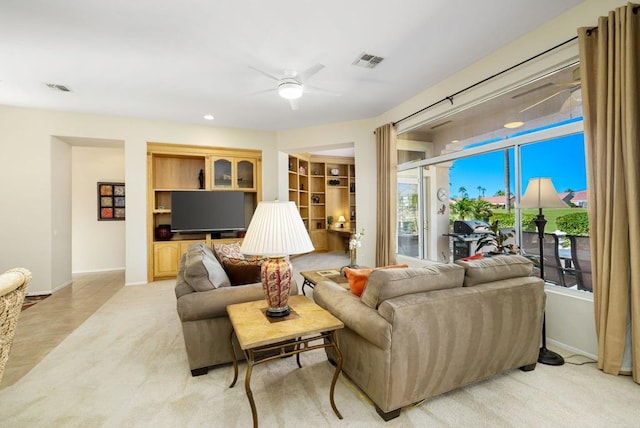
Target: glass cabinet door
<point x="245" y="173"/>
<point x="222" y="174"/>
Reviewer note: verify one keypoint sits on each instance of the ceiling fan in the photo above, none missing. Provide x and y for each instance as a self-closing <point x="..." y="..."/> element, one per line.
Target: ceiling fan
<point x="293" y="84"/>
<point x="573" y="86"/>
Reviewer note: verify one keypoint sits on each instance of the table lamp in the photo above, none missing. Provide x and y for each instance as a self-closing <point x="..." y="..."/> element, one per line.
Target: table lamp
<point x="341" y="220"/>
<point x="276" y="231"/>
<point x="541" y="194"/>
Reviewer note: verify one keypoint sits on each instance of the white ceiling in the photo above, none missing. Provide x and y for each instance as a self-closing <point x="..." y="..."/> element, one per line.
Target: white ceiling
<point x="178" y="61"/>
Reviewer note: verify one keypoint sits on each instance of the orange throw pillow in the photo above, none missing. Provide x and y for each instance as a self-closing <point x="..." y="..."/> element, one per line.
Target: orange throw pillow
<point x="358" y="277"/>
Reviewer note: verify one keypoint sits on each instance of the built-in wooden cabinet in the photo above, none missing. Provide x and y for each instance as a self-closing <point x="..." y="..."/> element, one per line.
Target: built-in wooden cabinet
<point x="233" y="173"/>
<point x="323" y="187"/>
<point x="176" y="167"/>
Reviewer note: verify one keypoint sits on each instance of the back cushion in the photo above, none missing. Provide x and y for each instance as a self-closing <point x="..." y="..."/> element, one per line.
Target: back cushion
<point x="242" y="271"/>
<point x="231" y="250"/>
<point x="489" y="269"/>
<point x="389" y="283"/>
<point x="202" y="271"/>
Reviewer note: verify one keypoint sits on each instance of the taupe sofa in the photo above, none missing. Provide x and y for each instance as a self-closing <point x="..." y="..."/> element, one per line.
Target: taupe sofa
<point x="203" y="291"/>
<point x="420" y="332"/>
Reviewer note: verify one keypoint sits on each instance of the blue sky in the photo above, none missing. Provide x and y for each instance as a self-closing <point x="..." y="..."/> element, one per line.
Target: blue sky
<point x="561" y="159"/>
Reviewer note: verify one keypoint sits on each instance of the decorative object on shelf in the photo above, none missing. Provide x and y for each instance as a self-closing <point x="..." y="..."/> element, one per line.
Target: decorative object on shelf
<point x="301" y="186"/>
<point x="352" y="217"/>
<point x="201" y="179"/>
<point x="541" y="194"/>
<point x="276" y="231"/>
<point x="341" y="221"/>
<point x="315" y="171"/>
<point x="315" y="199"/>
<point x="302" y="170"/>
<point x="334" y="182"/>
<point x="163" y="232"/>
<point x="354" y="244"/>
<point x="319" y="225"/>
<point x="352" y="187"/>
<point x="329" y="221"/>
<point x="335" y="171"/>
<point x="111" y="202"/>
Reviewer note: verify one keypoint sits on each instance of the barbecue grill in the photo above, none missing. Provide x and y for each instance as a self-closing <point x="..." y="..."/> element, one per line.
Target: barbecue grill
<point x="465" y="236"/>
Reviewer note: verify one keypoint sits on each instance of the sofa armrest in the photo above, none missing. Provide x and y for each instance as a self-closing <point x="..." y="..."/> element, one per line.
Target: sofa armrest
<point x="355" y="315"/>
<point x="209" y="304"/>
<point x="213" y="303"/>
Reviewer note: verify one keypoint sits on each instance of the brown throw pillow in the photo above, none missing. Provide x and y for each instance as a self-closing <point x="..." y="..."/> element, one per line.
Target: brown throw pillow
<point x="242" y="271"/>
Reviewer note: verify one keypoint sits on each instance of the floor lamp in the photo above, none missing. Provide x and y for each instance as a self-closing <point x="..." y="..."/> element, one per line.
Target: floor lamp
<point x="541" y="194"/>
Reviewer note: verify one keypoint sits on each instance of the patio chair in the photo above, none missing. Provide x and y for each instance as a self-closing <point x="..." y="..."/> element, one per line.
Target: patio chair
<point x="581" y="255"/>
<point x="554" y="271"/>
<point x="13" y="287"/>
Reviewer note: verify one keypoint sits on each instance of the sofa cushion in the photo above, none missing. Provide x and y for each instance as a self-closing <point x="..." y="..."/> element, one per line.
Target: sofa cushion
<point x="228" y="250"/>
<point x="242" y="271"/>
<point x="202" y="271"/>
<point x="358" y="277"/>
<point x="489" y="269"/>
<point x="389" y="283"/>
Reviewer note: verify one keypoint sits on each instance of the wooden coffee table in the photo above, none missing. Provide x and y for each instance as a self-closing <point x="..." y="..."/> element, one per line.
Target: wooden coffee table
<point x="263" y="338"/>
<point x="312" y="277"/>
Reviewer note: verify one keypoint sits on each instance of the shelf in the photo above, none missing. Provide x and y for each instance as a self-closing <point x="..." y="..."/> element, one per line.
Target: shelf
<point x="162" y="211"/>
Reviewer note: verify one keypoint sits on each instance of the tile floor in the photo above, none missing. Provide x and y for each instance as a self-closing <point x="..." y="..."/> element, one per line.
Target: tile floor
<point x="45" y="325"/>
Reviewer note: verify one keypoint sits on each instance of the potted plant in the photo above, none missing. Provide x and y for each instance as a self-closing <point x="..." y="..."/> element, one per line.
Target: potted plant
<point x="496" y="241"/>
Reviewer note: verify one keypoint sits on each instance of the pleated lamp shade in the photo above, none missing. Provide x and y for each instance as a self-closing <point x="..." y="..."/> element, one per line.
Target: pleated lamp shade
<point x="276" y="229"/>
<point x="541" y="194"/>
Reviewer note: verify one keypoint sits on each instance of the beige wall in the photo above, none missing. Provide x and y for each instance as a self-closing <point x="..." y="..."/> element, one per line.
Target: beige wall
<point x="96" y="245"/>
<point x="33" y="149"/>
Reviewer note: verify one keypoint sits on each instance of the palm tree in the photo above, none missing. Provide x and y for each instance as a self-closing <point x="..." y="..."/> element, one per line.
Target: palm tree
<point x="479" y="191"/>
<point x="499" y="193"/>
<point x="463" y="191"/>
<point x="482" y="189"/>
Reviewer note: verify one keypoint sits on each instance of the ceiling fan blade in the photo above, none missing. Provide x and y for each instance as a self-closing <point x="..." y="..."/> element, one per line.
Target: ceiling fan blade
<point x="269" y="75"/>
<point x="316" y="90"/>
<point x="264" y="91"/>
<point x="294" y="104"/>
<point x="310" y="72"/>
<point x="542" y="100"/>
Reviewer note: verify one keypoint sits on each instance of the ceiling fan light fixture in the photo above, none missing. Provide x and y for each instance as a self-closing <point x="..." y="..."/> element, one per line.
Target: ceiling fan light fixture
<point x="290" y="90"/>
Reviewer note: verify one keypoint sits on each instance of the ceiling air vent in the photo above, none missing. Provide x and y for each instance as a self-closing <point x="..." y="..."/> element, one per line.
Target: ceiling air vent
<point x="57" y="87"/>
<point x="368" y="61"/>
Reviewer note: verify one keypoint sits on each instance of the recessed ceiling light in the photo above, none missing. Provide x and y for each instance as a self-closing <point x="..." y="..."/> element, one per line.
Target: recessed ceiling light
<point x="513" y="125"/>
<point x="455" y="141"/>
<point x="208" y="116"/>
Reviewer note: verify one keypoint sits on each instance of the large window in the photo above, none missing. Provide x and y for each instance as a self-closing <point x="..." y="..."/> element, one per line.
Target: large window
<point x="485" y="175"/>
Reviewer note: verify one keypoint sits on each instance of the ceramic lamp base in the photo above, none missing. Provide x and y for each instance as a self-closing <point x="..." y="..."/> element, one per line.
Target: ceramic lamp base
<point x="276" y="274"/>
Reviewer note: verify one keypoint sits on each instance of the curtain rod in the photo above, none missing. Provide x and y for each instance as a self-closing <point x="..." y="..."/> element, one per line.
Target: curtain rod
<point x="450" y="97"/>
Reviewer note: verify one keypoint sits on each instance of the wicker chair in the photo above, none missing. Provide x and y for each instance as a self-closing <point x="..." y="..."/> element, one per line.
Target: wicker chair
<point x="13" y="287"/>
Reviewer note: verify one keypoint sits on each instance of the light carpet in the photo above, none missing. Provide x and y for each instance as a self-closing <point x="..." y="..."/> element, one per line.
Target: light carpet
<point x="126" y="367"/>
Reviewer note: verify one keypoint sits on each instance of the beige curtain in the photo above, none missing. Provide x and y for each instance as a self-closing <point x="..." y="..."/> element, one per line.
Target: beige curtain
<point x="387" y="162"/>
<point x="610" y="73"/>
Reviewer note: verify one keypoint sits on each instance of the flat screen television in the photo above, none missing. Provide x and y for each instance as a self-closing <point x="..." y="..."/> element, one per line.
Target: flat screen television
<point x="204" y="211"/>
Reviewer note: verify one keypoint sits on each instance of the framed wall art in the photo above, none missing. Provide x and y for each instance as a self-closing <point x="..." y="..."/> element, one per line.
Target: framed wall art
<point x="111" y="202"/>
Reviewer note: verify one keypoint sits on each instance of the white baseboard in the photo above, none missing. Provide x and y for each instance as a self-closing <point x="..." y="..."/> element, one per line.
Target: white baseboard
<point x="572" y="349"/>
<point x="128" y="284"/>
